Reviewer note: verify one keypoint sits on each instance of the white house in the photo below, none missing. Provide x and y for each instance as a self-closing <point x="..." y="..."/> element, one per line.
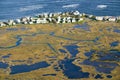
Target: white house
<point x="69" y="19"/>
<point x="80" y="19"/>
<point x="50" y="19"/>
<point x="106" y="17"/>
<point x="59" y="19"/>
<point x="99" y="18"/>
<point x="18" y="21"/>
<point x="2" y="24"/>
<point x="46" y="15"/>
<point x="43" y="20"/>
<point x="11" y="22"/>
<point x="30" y="22"/>
<point x="76" y="13"/>
<point x="64" y="20"/>
<point x="24" y="19"/>
<point x="73" y="20"/>
<point x="112" y="19"/>
<point x="50" y="15"/>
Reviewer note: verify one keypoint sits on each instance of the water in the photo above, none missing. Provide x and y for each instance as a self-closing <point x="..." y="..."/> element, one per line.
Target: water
<point x="11" y="9"/>
<point x="6" y="56"/>
<point x="109" y="76"/>
<point x="83" y="26"/>
<point x="62" y="51"/>
<point x="3" y="65"/>
<point x="98" y="76"/>
<point x="115" y="43"/>
<point x="117" y="30"/>
<point x="27" y="68"/>
<point x="72" y="71"/>
<point x="88" y="54"/>
<point x="72" y="49"/>
<point x="104" y="67"/>
<point x="112" y="55"/>
<point x="49" y="74"/>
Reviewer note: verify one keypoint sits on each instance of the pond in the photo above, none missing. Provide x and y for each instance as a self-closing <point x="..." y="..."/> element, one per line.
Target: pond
<point x="6" y="56"/>
<point x="115" y="43"/>
<point x="27" y="68"/>
<point x="72" y="49"/>
<point x="3" y="65"/>
<point x="117" y="30"/>
<point x="71" y="70"/>
<point x="82" y="26"/>
<point x="104" y="67"/>
<point x="112" y="55"/>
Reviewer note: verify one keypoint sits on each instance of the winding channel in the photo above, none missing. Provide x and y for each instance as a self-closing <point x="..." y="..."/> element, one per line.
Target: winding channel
<point x="19" y="39"/>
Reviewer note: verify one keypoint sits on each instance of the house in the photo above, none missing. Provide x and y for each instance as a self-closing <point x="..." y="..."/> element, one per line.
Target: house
<point x="59" y="19"/>
<point x="69" y="19"/>
<point x="73" y="20"/>
<point x="38" y="21"/>
<point x="112" y="19"/>
<point x="50" y="15"/>
<point x="64" y="20"/>
<point x="46" y="15"/>
<point x="25" y="22"/>
<point x="18" y="21"/>
<point x="42" y="20"/>
<point x="80" y="19"/>
<point x="106" y="18"/>
<point x="76" y="13"/>
<point x="30" y="22"/>
<point x="49" y="20"/>
<point x="11" y="22"/>
<point x="24" y="19"/>
<point x="2" y="24"/>
<point x="118" y="18"/>
<point x="56" y="14"/>
<point x="99" y="18"/>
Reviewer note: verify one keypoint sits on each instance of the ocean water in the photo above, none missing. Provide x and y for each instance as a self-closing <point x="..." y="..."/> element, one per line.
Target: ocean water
<point x="12" y="9"/>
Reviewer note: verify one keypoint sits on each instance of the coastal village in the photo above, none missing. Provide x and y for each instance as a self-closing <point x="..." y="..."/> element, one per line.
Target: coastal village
<point x="65" y="17"/>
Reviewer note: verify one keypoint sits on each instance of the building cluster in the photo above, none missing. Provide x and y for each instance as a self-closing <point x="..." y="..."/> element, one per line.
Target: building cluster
<point x="66" y="17"/>
<point x="103" y="18"/>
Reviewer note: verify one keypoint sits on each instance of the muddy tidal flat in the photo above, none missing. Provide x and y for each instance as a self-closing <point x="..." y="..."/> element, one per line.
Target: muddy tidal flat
<point x="70" y="51"/>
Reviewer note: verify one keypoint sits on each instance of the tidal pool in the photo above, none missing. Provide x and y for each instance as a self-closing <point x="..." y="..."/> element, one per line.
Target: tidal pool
<point x="112" y="55"/>
<point x="71" y="70"/>
<point x="3" y="65"/>
<point x="115" y="43"/>
<point x="117" y="30"/>
<point x="49" y="74"/>
<point x="27" y="68"/>
<point x="72" y="49"/>
<point x="104" y="67"/>
<point x="6" y="56"/>
<point x="98" y="76"/>
<point x="83" y="26"/>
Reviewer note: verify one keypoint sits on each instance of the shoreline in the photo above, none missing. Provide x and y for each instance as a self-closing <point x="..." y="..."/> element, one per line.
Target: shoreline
<point x="57" y="18"/>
